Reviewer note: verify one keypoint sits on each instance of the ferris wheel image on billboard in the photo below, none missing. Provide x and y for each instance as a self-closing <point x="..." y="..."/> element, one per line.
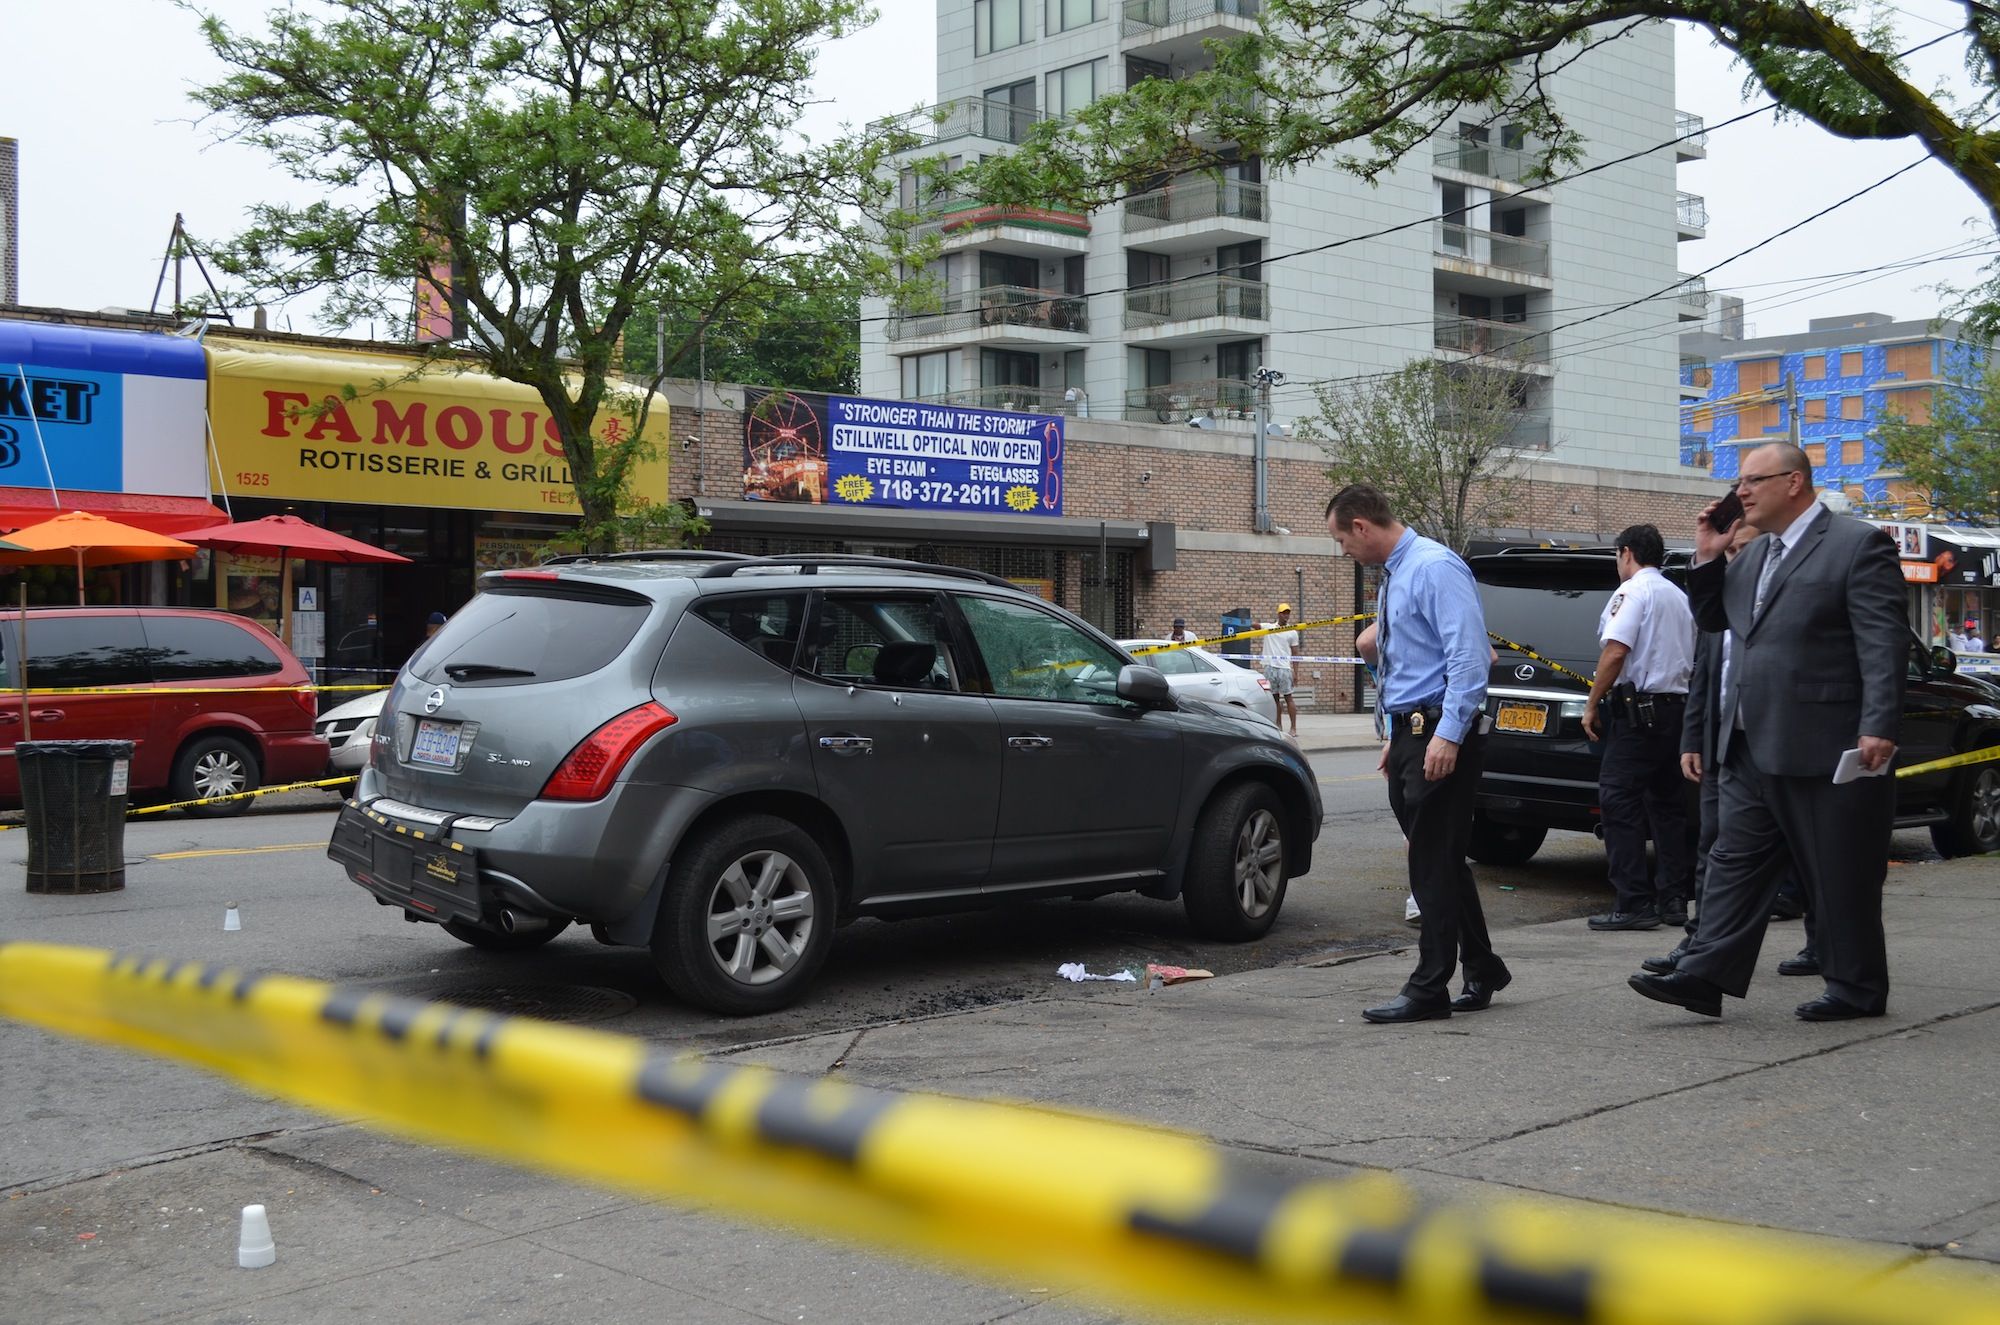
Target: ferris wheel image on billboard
<point x="784" y="446"/>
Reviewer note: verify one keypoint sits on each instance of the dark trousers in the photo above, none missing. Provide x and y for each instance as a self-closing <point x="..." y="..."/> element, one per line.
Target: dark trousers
<point x="1642" y="792"/>
<point x="1437" y="818"/>
<point x="1837" y="838"/>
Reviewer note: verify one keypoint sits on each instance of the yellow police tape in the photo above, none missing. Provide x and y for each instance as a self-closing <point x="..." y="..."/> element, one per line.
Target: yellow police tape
<point x="1259" y="633"/>
<point x="1129" y="1214"/>
<point x="45" y="691"/>
<point x="1987" y="755"/>
<point x="1549" y="663"/>
<point x="217" y="800"/>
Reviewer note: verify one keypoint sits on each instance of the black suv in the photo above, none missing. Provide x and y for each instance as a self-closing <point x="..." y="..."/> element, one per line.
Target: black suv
<point x="723" y="758"/>
<point x="1541" y="771"/>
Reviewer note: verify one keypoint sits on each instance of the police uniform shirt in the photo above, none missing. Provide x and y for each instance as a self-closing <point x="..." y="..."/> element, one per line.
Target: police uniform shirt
<point x="1650" y="616"/>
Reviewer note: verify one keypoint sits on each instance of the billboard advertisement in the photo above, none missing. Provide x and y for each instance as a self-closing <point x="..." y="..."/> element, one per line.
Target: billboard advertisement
<point x="847" y="451"/>
<point x="93" y="410"/>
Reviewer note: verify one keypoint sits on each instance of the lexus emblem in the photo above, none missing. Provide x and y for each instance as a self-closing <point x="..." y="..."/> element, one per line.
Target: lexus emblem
<point x="434" y="700"/>
<point x="1525" y="672"/>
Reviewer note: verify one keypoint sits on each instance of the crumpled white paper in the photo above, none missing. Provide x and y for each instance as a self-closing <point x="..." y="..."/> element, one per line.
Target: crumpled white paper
<point x="1075" y="973"/>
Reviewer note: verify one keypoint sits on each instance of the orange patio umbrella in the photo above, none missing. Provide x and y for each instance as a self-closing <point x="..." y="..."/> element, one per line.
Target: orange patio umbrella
<point x="83" y="539"/>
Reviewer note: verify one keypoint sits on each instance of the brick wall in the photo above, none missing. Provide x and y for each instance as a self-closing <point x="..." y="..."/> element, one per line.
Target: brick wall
<point x="10" y="221"/>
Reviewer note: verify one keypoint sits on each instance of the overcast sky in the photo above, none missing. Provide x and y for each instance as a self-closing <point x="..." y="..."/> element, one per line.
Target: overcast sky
<point x="96" y="93"/>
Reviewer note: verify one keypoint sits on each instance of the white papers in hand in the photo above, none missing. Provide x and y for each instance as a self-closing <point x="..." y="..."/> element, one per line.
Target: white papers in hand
<point x="1849" y="768"/>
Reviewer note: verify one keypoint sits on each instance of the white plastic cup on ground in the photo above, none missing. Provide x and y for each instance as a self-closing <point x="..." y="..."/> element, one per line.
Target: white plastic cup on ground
<point x="230" y="920"/>
<point x="254" y="1248"/>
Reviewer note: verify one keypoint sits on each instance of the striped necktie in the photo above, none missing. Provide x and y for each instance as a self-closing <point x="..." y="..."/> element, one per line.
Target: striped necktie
<point x="1772" y="556"/>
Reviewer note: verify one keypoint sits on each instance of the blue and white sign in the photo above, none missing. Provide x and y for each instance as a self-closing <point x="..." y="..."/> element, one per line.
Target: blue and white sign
<point x="943" y="457"/>
<point x="93" y="410"/>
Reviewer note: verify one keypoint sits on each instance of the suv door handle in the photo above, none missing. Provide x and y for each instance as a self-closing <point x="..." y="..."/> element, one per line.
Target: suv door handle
<point x="1030" y="742"/>
<point x="46" y="715"/>
<point x="848" y="745"/>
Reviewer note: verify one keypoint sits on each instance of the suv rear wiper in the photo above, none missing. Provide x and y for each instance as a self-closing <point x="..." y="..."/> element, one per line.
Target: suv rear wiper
<point x="482" y="671"/>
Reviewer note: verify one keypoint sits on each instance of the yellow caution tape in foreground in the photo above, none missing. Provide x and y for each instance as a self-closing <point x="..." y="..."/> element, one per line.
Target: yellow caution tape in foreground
<point x="217" y="800"/>
<point x="1126" y="1213"/>
<point x="49" y="691"/>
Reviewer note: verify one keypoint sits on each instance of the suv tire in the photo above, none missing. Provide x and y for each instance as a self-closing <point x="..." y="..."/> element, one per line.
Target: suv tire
<point x="1495" y="843"/>
<point x="748" y="916"/>
<point x="1974" y="826"/>
<point x="1236" y="867"/>
<point x="499" y="940"/>
<point x="214" y="765"/>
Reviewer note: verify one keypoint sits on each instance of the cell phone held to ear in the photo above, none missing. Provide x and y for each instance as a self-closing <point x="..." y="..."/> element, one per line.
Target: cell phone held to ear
<point x="1726" y="513"/>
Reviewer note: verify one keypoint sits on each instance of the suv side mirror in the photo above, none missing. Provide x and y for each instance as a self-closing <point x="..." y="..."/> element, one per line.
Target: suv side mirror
<point x="1145" y="686"/>
<point x="1943" y="659"/>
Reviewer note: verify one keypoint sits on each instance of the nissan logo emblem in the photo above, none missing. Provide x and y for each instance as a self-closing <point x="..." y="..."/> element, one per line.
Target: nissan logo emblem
<point x="434" y="700"/>
<point x="1525" y="672"/>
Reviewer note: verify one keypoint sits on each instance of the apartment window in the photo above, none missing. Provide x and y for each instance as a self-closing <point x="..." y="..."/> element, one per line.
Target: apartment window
<point x="1815" y="409"/>
<point x="1243" y="261"/>
<point x="997" y="25"/>
<point x="1010" y="111"/>
<point x="1851" y="407"/>
<point x="1912" y="361"/>
<point x="1238" y="359"/>
<point x="1067" y="14"/>
<point x="1511" y="223"/>
<point x="1850" y="364"/>
<point x="926" y="375"/>
<point x="1815" y="367"/>
<point x="1853" y="451"/>
<point x="1006" y="269"/>
<point x="1513" y="136"/>
<point x="1009" y="368"/>
<point x="1072" y="366"/>
<point x="1158" y="367"/>
<point x="1514" y="308"/>
<point x="1073" y="275"/>
<point x="1817" y="454"/>
<point x="1757" y="374"/>
<point x="1143" y="268"/>
<point x="1071" y="89"/>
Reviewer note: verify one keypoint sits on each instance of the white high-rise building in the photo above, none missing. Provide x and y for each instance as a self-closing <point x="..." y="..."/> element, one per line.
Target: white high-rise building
<point x="1162" y="307"/>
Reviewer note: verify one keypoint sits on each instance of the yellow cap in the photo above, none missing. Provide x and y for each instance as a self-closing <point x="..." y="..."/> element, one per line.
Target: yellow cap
<point x="1284" y="607"/>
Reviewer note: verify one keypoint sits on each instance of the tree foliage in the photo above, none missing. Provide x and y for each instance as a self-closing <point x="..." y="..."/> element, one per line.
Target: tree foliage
<point x="1363" y="82"/>
<point x="576" y="161"/>
<point x="806" y="338"/>
<point x="1954" y="458"/>
<point x="1438" y="438"/>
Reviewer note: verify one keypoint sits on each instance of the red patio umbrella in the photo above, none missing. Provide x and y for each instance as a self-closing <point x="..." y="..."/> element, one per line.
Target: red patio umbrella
<point x="287" y="537"/>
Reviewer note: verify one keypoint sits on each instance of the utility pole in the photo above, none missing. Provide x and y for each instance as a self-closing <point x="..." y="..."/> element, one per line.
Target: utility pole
<point x="1260" y="512"/>
<point x="1792" y="406"/>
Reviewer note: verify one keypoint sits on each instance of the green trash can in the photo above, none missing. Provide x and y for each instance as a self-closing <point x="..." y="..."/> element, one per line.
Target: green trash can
<point x="73" y="795"/>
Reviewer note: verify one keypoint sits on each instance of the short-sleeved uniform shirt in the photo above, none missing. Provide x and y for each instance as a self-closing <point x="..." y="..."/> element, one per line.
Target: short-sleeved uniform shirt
<point x="1650" y="616"/>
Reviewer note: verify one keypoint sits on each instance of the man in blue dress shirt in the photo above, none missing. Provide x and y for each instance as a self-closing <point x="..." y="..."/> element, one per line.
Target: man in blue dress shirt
<point x="1431" y="638"/>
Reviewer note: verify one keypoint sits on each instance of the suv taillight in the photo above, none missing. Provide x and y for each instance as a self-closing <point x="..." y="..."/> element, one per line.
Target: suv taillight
<point x="590" y="769"/>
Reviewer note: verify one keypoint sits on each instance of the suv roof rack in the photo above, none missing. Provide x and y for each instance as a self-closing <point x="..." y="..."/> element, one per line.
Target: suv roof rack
<point x="644" y="554"/>
<point x="809" y="563"/>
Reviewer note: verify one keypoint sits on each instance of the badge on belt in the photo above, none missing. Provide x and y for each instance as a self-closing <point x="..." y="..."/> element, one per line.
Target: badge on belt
<point x="1417" y="723"/>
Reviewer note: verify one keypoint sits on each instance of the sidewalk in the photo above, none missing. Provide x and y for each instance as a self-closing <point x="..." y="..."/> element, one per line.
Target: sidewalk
<point x="1570" y="1087"/>
<point x="1337" y="731"/>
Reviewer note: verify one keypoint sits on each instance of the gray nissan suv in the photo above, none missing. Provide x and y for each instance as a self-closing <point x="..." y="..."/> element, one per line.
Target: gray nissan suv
<point x="722" y="758"/>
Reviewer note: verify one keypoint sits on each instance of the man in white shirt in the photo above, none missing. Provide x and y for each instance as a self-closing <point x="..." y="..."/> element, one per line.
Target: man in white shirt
<point x="1280" y="647"/>
<point x="1636" y="705"/>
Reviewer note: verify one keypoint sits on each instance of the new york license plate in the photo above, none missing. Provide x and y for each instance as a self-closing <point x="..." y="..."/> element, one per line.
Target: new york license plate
<point x="1530" y="719"/>
<point x="436" y="743"/>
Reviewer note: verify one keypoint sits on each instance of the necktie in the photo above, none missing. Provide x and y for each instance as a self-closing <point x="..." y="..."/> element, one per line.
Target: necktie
<point x="1381" y="654"/>
<point x="1774" y="555"/>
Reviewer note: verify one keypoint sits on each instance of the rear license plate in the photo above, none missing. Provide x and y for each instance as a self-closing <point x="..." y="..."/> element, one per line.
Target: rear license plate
<point x="1528" y="719"/>
<point x="437" y="743"/>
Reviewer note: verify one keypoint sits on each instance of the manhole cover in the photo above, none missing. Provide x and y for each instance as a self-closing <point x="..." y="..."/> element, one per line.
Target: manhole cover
<point x="548" y="1002"/>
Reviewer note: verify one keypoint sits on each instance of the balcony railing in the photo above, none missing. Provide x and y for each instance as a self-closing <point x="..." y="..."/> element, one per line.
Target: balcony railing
<point x="1518" y="342"/>
<point x="1185" y="301"/>
<point x="1514" y="252"/>
<point x="1139" y="17"/>
<point x="964" y="117"/>
<point x="1689" y="129"/>
<point x="1195" y="199"/>
<point x="1508" y="163"/>
<point x="1027" y="399"/>
<point x="1175" y="402"/>
<point x="958" y="215"/>
<point x="1693" y="211"/>
<point x="997" y="306"/>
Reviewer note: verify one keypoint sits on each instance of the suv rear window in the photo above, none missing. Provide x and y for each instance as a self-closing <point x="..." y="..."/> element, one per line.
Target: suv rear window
<point x="192" y="648"/>
<point x="552" y="634"/>
<point x="1549" y="604"/>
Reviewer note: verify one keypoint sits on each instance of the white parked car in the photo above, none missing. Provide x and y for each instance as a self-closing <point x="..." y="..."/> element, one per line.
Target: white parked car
<point x="1193" y="670"/>
<point x="348" y="729"/>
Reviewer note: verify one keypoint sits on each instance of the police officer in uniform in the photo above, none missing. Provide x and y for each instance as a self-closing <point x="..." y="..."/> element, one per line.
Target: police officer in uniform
<point x="1636" y="706"/>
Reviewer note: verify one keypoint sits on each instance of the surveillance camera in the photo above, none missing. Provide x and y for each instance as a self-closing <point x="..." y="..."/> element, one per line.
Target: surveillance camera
<point x="687" y="443"/>
<point x="1146" y="476"/>
<point x="1280" y="529"/>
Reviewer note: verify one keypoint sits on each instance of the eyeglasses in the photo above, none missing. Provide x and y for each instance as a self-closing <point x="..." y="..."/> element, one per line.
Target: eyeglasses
<point x="1746" y="482"/>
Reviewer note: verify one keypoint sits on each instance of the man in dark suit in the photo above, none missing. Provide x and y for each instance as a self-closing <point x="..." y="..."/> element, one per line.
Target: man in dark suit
<point x="1815" y="611"/>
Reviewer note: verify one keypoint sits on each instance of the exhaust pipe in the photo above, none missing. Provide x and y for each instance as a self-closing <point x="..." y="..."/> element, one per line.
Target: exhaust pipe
<point x="514" y="922"/>
<point x="508" y="920"/>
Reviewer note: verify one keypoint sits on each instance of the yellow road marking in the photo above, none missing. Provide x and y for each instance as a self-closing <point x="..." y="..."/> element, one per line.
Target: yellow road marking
<point x="237" y="851"/>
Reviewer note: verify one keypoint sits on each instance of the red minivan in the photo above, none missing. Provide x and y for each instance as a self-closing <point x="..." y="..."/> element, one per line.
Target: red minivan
<point x="187" y="746"/>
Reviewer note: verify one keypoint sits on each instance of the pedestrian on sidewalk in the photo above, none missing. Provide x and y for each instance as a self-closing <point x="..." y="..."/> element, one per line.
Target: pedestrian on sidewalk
<point x="1280" y="647"/>
<point x="1814" y="609"/>
<point x="1431" y="642"/>
<point x="1637" y="701"/>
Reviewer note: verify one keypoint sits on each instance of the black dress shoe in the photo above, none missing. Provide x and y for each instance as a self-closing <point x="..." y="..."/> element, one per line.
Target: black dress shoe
<point x="1479" y="994"/>
<point x="1828" y="1008"/>
<point x="1682" y="990"/>
<point x="1806" y="963"/>
<point x="1786" y="909"/>
<point x="1403" y="1008"/>
<point x="1666" y="965"/>
<point x="1626" y="920"/>
<point x="1674" y="913"/>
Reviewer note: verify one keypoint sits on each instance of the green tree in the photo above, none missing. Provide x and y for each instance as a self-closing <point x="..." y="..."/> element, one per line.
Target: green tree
<point x="805" y="338"/>
<point x="1955" y="457"/>
<point x="1440" y="439"/>
<point x="1365" y="81"/>
<point x="574" y="160"/>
